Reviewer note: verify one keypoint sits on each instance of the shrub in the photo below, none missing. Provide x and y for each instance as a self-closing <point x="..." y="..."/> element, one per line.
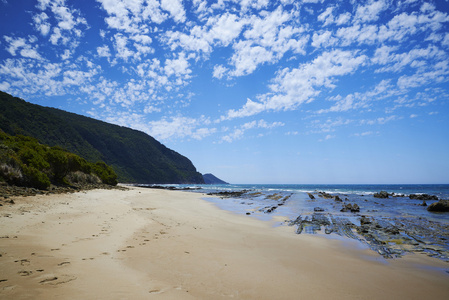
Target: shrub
<point x="33" y="158"/>
<point x="35" y="178"/>
<point x="11" y="174"/>
<point x="105" y="172"/>
<point x="59" y="164"/>
<point x="82" y="178"/>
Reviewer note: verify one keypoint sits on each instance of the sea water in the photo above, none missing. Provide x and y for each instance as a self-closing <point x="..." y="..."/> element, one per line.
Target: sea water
<point x="299" y="201"/>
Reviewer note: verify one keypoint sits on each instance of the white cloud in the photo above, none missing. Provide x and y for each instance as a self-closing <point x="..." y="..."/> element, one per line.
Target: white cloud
<point x="361" y="100"/>
<point x="120" y="45"/>
<point x="445" y="40"/>
<point x="43" y="4"/>
<point x="248" y="57"/>
<point x="66" y="55"/>
<point x="293" y="87"/>
<point x="239" y="132"/>
<point x="380" y="120"/>
<point x="366" y="133"/>
<point x="219" y="71"/>
<point x="179" y="127"/>
<point x="178" y="67"/>
<point x="370" y="11"/>
<point x="4" y="86"/>
<point x="220" y="30"/>
<point x="175" y="8"/>
<point x="69" y="22"/>
<point x="327" y="17"/>
<point x="41" y="24"/>
<point x="330" y="125"/>
<point x="324" y="39"/>
<point x="103" y="51"/>
<point x="266" y="41"/>
<point x="21" y="46"/>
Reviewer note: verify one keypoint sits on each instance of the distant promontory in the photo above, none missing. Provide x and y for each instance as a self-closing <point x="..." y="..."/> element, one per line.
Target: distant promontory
<point x="211" y="179"/>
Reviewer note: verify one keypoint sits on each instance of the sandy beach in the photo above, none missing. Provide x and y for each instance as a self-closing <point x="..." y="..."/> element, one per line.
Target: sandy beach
<point x="159" y="244"/>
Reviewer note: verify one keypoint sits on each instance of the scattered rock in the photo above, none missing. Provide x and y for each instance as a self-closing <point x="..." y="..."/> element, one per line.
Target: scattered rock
<point x="229" y="194"/>
<point x="311" y="196"/>
<point x="364" y="220"/>
<point x="325" y="195"/>
<point x="318" y="209"/>
<point x="351" y="207"/>
<point x="440" y="206"/>
<point x="422" y="197"/>
<point x="338" y="199"/>
<point x="381" y="194"/>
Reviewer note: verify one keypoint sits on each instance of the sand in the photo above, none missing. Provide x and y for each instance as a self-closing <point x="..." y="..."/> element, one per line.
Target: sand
<point x="158" y="244"/>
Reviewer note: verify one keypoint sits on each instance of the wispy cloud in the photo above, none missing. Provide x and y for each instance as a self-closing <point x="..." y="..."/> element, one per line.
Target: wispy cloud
<point x="239" y="132"/>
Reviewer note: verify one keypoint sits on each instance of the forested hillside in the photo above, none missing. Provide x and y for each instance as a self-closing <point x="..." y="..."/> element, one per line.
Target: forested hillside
<point x="134" y="155"/>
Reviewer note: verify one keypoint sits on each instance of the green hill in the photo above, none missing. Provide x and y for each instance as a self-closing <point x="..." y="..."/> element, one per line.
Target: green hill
<point x="134" y="155"/>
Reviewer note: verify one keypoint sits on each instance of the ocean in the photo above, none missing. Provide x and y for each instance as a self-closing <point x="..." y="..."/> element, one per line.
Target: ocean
<point x="362" y="194"/>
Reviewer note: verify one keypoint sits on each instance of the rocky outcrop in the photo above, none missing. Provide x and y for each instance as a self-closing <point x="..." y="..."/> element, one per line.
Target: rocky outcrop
<point x="381" y="194"/>
<point x="422" y="197"/>
<point x="440" y="206"/>
<point x="351" y="207"/>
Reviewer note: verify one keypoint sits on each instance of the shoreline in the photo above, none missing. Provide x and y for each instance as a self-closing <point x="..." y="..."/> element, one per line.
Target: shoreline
<point x="159" y="244"/>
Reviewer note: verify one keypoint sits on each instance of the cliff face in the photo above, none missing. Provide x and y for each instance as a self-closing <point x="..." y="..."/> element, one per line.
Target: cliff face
<point x="134" y="155"/>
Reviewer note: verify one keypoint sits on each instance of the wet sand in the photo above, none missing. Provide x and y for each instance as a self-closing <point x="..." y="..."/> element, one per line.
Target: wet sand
<point x="159" y="244"/>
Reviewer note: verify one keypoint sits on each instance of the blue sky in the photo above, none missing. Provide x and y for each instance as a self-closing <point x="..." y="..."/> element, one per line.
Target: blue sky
<point x="253" y="91"/>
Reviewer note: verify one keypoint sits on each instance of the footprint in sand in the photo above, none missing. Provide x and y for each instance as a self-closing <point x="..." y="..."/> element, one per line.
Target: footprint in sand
<point x="48" y="279"/>
<point x="55" y="280"/>
<point x="25" y="273"/>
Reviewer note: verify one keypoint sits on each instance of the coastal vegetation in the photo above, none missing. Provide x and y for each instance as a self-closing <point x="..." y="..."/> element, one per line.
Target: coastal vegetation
<point x="26" y="162"/>
<point x="134" y="156"/>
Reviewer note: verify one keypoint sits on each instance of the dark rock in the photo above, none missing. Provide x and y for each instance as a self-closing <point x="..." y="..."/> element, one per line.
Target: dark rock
<point x="364" y="220"/>
<point x="318" y="209"/>
<point x="381" y="194"/>
<point x="423" y="197"/>
<point x="350" y="207"/>
<point x="248" y="213"/>
<point x="338" y="199"/>
<point x="229" y="194"/>
<point x="423" y="203"/>
<point x="440" y="206"/>
<point x="311" y="196"/>
<point x="325" y="195"/>
<point x="12" y="202"/>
